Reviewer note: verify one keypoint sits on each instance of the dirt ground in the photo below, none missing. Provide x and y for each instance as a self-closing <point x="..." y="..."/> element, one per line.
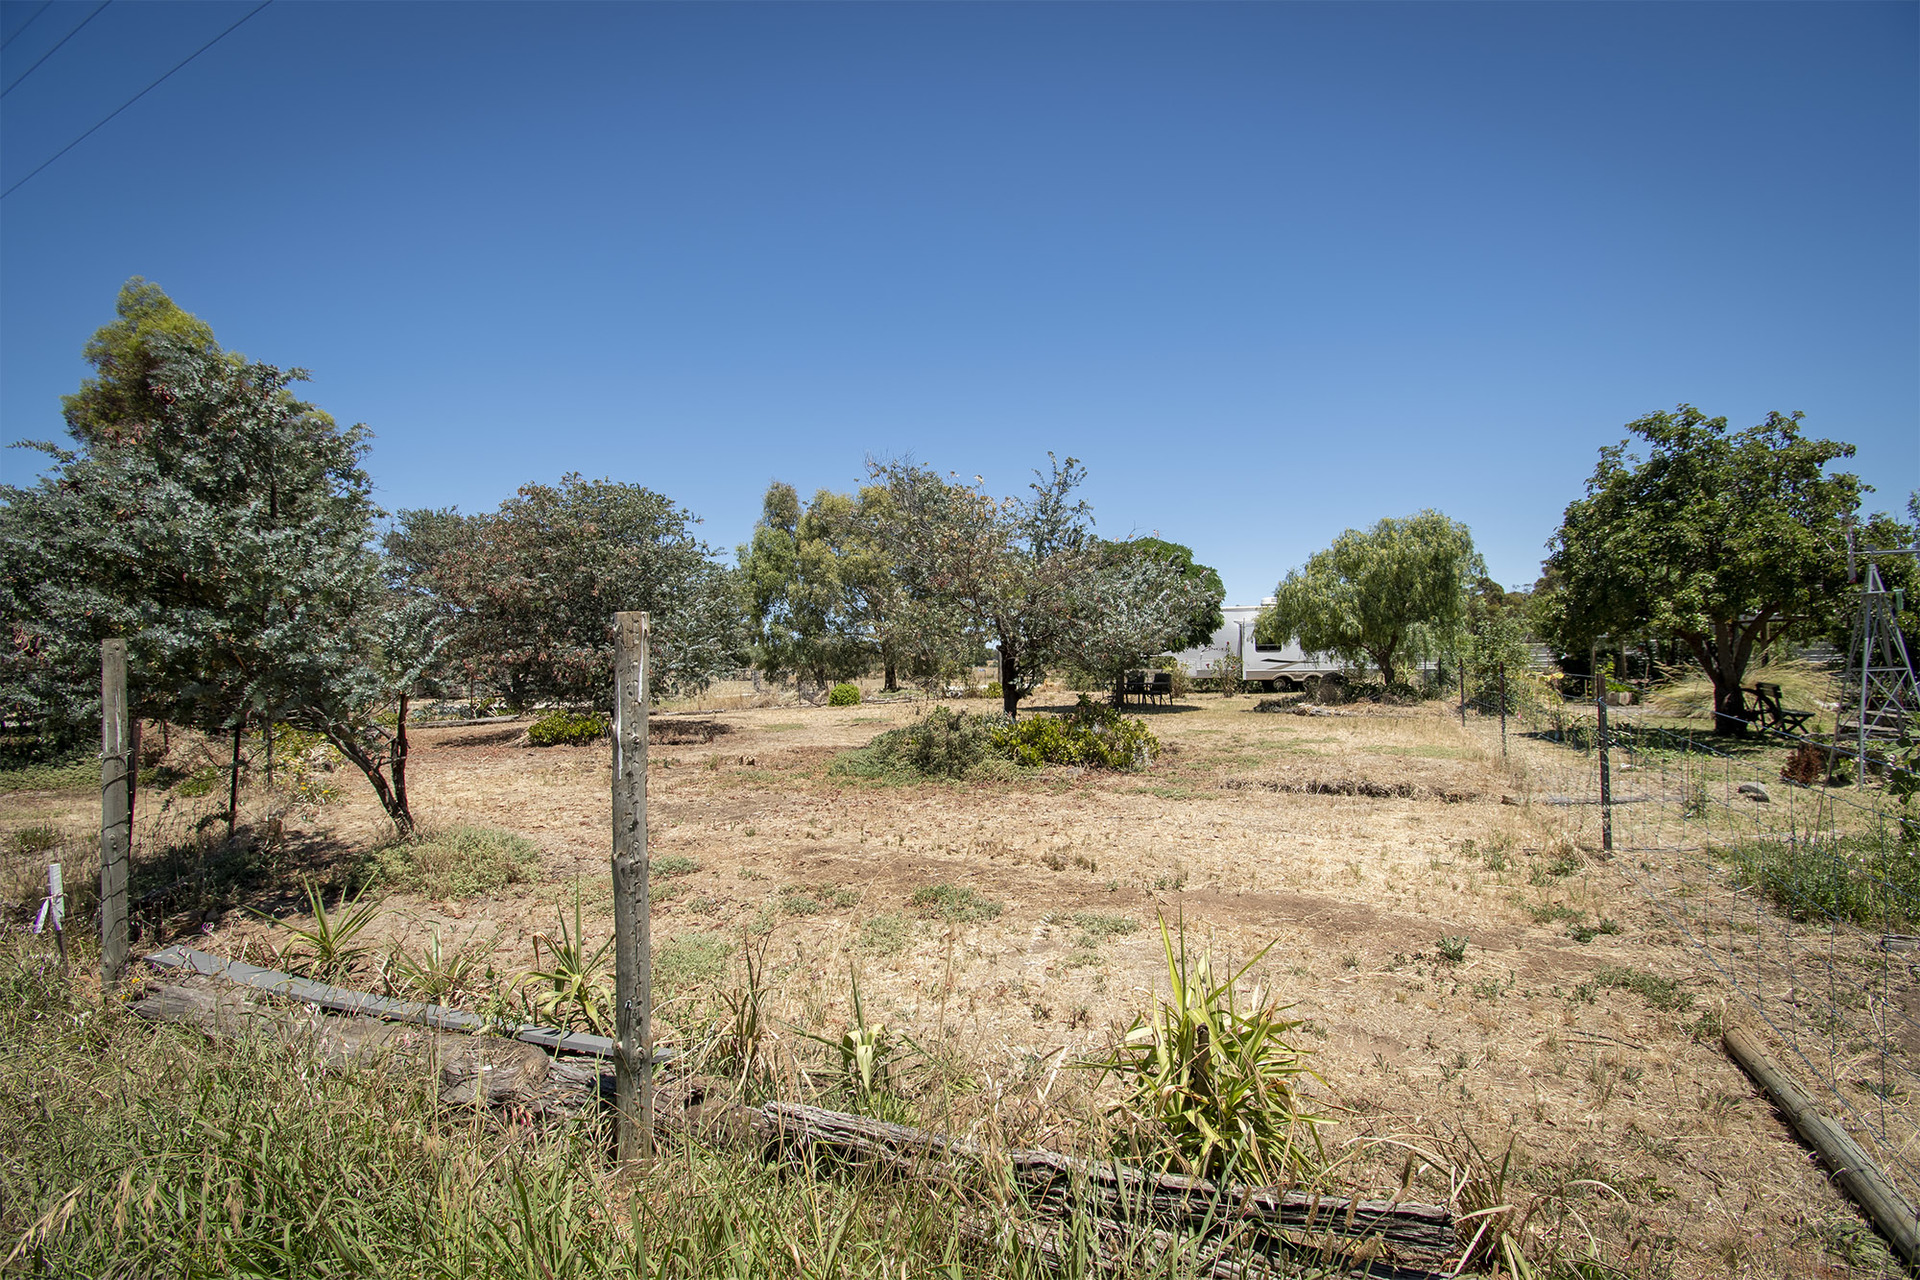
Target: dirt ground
<point x="1349" y="844"/>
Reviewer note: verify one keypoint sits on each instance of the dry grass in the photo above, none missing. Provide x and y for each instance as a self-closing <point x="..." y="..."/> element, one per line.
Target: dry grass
<point x="1254" y="829"/>
<point x="1803" y="686"/>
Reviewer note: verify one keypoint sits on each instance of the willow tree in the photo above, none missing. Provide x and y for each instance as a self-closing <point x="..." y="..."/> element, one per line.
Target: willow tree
<point x="1383" y="595"/>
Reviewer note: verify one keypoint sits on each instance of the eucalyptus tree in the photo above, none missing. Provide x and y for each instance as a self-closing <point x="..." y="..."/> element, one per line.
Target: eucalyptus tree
<point x="1383" y="595"/>
<point x="1727" y="541"/>
<point x="224" y="534"/>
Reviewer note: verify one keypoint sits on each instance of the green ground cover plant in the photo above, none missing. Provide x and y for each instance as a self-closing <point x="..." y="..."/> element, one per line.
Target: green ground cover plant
<point x="844" y="694"/>
<point x="457" y="862"/>
<point x="1093" y="735"/>
<point x="566" y="729"/>
<point x="1867" y="879"/>
<point x="952" y="902"/>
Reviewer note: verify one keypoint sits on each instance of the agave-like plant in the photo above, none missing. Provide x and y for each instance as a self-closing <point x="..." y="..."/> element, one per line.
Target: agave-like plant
<point x="574" y="987"/>
<point x="326" y="950"/>
<point x="442" y="972"/>
<point x="1212" y="1082"/>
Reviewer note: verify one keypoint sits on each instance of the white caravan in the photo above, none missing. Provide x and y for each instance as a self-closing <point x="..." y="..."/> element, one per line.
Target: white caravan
<point x="1274" y="666"/>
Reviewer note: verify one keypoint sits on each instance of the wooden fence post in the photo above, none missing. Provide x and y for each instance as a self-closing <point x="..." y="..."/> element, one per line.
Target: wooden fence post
<point x="116" y="813"/>
<point x="632" y="911"/>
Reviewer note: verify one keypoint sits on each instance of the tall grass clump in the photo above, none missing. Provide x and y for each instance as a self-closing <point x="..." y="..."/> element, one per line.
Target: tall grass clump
<point x="458" y="862"/>
<point x="131" y="1149"/>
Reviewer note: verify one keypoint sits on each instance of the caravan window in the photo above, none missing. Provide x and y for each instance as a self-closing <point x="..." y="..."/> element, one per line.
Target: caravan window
<point x="1269" y="648"/>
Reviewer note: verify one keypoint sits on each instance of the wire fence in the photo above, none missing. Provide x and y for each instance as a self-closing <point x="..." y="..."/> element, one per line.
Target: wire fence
<point x="182" y="861"/>
<point x="1803" y="896"/>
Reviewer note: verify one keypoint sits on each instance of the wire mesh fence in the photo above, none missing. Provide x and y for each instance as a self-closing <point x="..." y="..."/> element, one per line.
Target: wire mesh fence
<point x="184" y="862"/>
<point x="1797" y="887"/>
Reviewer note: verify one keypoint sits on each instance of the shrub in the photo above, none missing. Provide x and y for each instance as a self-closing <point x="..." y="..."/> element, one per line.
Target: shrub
<point x="993" y="691"/>
<point x="943" y="744"/>
<point x="458" y="862"/>
<point x="844" y="695"/>
<point x="1806" y="765"/>
<point x="566" y="729"/>
<point x="1094" y="735"/>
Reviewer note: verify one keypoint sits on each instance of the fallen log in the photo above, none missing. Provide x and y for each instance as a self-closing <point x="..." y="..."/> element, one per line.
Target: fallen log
<point x="1103" y="1196"/>
<point x="472" y="1070"/>
<point x="1852" y="1167"/>
<point x="345" y="1000"/>
<point x="1049" y="1181"/>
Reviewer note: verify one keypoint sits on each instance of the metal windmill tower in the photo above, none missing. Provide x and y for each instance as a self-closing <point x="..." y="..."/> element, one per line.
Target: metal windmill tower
<point x="1881" y="697"/>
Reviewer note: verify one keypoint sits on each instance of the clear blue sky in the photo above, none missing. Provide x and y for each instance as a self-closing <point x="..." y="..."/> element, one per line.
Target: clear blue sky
<point x="1271" y="271"/>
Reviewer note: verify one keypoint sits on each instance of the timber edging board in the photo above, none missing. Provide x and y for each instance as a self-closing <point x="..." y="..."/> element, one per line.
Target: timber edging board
<point x="342" y="1000"/>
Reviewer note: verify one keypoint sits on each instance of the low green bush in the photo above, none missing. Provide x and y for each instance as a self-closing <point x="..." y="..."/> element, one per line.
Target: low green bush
<point x="942" y="744"/>
<point x="1094" y="735"/>
<point x="844" y="694"/>
<point x="457" y="862"/>
<point x="567" y="729"/>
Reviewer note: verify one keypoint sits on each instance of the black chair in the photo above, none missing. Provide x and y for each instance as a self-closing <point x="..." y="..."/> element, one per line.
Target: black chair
<point x="1134" y="687"/>
<point x="1160" y="686"/>
<point x="1773" y="714"/>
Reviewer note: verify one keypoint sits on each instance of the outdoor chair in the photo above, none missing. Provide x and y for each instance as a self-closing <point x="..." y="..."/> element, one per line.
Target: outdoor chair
<point x="1160" y="686"/>
<point x="1773" y="714"/>
<point x="1135" y="686"/>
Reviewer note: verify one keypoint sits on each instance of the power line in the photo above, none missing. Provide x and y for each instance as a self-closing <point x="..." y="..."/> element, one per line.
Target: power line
<point x="136" y="97"/>
<point x="44" y="6"/>
<point x="49" y="53"/>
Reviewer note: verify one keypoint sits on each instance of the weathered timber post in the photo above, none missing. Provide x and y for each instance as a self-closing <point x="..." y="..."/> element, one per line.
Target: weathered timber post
<point x="632" y="912"/>
<point x="1503" y="712"/>
<point x="116" y="812"/>
<point x="1606" y="773"/>
<point x="1463" y="693"/>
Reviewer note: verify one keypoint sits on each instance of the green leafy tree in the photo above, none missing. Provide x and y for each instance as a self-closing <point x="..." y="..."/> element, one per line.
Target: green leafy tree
<point x="822" y="597"/>
<point x="1028" y="575"/>
<point x="1132" y="603"/>
<point x="1727" y="541"/>
<point x="1003" y="570"/>
<point x="1385" y="595"/>
<point x="798" y="601"/>
<point x="118" y="402"/>
<point x="529" y="591"/>
<point x="1207" y="617"/>
<point x="225" y="538"/>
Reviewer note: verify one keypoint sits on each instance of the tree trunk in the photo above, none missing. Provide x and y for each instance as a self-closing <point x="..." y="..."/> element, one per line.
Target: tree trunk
<point x="1383" y="659"/>
<point x="1724" y="656"/>
<point x="891" y="684"/>
<point x="395" y="803"/>
<point x="399" y="770"/>
<point x="1009" y="681"/>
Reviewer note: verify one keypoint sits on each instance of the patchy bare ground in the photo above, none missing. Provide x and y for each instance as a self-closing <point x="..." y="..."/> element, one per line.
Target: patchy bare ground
<point x="1349" y="845"/>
